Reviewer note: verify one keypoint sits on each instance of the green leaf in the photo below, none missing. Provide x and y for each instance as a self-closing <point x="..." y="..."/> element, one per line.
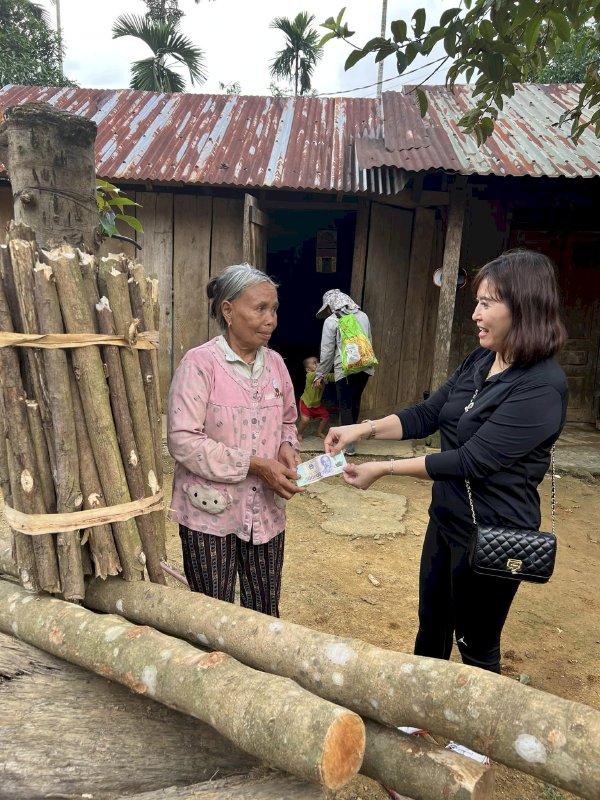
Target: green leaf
<point x="340" y="15"/>
<point x="561" y="24"/>
<point x="495" y="66"/>
<point x="354" y="57"/>
<point x="449" y="15"/>
<point x="131" y="221"/>
<point x="399" y="29"/>
<point x="401" y="62"/>
<point x="419" y="21"/>
<point x="450" y="42"/>
<point x="486" y="29"/>
<point x="532" y="34"/>
<point x="435" y="35"/>
<point x="327" y="37"/>
<point x="422" y="101"/>
<point x="384" y="52"/>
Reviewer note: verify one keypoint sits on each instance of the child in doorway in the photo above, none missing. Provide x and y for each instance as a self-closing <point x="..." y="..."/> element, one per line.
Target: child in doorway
<point x="311" y="402"/>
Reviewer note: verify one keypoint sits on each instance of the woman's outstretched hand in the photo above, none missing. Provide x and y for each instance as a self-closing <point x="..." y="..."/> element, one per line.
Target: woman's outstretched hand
<point x="339" y="438"/>
<point x="361" y="476"/>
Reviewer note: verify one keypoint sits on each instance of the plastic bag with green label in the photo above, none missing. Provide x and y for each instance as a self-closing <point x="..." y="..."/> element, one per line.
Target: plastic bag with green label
<point x="357" y="350"/>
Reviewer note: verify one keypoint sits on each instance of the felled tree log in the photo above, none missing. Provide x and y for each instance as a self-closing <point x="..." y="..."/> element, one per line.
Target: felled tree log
<point x="267" y="716"/>
<point x="91" y="381"/>
<point x="272" y="786"/>
<point x="129" y="451"/>
<point x="49" y="155"/>
<point x="552" y="738"/>
<point x="5" y="489"/>
<point x="102" y="547"/>
<point x="425" y="771"/>
<point x="67" y="732"/>
<point x="22" y="546"/>
<point x="68" y="491"/>
<point x="24" y="466"/>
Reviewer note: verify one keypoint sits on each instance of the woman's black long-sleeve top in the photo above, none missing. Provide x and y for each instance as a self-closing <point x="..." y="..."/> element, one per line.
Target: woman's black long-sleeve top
<point x="502" y="443"/>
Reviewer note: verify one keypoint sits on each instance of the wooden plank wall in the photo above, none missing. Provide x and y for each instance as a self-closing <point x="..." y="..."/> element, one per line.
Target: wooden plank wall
<point x="191" y="268"/>
<point x="6" y="210"/>
<point x="156" y="215"/>
<point x="386" y="283"/>
<point x="227" y="240"/>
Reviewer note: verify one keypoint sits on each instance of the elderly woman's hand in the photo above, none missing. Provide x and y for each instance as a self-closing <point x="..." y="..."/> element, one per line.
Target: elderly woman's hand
<point x="288" y="456"/>
<point x="278" y="477"/>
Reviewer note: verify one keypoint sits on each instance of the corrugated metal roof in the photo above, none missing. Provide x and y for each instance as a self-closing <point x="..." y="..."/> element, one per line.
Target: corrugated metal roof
<point x="283" y="142"/>
<point x="326" y="144"/>
<point x="526" y="139"/>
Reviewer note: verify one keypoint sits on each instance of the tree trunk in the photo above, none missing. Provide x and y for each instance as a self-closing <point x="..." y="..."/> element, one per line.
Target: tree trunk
<point x="494" y="715"/>
<point x="100" y="539"/>
<point x="418" y="769"/>
<point x="127" y="444"/>
<point x="68" y="490"/>
<point x="24" y="465"/>
<point x="49" y="155"/>
<point x="267" y="716"/>
<point x="68" y="733"/>
<point x="22" y="549"/>
<point x="140" y="292"/>
<point x="91" y="381"/>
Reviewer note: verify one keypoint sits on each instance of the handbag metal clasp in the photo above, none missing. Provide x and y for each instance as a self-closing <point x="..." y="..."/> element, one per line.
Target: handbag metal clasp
<point x="514" y="565"/>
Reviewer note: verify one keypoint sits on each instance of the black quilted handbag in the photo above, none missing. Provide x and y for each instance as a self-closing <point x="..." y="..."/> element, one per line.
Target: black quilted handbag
<point x="513" y="553"/>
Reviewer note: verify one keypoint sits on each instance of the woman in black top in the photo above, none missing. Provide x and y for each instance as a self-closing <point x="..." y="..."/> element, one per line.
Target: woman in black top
<point x="498" y="416"/>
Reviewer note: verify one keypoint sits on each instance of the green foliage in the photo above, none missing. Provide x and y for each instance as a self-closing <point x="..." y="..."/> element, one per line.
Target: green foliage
<point x="569" y="64"/>
<point x="111" y="204"/>
<point x="166" y="42"/>
<point x="233" y="87"/>
<point x="297" y="61"/>
<point x="30" y="50"/>
<point x="496" y="43"/>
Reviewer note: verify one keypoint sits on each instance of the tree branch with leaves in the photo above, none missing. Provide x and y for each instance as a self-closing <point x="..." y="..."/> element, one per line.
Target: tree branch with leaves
<point x="496" y="43"/>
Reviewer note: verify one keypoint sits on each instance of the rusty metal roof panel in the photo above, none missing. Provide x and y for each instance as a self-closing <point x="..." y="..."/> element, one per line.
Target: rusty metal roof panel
<point x="526" y="139"/>
<point x="283" y="142"/>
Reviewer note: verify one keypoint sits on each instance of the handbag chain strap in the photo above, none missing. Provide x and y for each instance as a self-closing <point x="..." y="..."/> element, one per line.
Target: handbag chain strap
<point x="552" y="491"/>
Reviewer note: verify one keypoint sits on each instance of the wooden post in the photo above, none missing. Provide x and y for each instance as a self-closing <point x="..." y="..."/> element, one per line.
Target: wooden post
<point x="49" y="155"/>
<point x="359" y="259"/>
<point x="450" y="266"/>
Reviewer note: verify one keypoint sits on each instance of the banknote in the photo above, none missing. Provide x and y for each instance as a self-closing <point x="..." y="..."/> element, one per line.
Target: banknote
<point x="320" y="467"/>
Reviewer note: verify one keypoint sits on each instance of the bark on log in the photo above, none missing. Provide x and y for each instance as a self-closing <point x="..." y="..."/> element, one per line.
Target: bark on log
<point x="272" y="786"/>
<point x="103" y="551"/>
<point x="140" y="292"/>
<point x="24" y="463"/>
<point x="22" y="549"/>
<point x="67" y="733"/>
<point x="552" y="738"/>
<point x="5" y="490"/>
<point x="91" y="381"/>
<point x="267" y="716"/>
<point x="129" y="451"/>
<point x="50" y="161"/>
<point x="68" y="490"/>
<point x="42" y="456"/>
<point x="421" y="770"/>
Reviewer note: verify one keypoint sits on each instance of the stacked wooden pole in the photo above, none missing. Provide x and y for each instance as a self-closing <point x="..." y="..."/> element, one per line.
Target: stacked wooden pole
<point x="80" y="421"/>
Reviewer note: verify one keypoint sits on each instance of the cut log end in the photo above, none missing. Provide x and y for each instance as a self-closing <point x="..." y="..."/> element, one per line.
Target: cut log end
<point x="343" y="752"/>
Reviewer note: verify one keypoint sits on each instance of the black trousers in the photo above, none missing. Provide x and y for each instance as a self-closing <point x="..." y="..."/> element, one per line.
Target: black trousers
<point x="349" y="391"/>
<point x="454" y="601"/>
<point x="212" y="564"/>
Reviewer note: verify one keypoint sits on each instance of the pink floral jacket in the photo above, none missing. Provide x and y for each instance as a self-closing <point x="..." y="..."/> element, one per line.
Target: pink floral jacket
<point x="217" y="419"/>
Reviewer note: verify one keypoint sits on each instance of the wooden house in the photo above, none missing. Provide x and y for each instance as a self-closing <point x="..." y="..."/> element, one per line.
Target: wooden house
<point x="357" y="194"/>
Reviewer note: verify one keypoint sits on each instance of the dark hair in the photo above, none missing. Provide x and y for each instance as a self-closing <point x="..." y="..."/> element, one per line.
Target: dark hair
<point x="230" y="284"/>
<point x="526" y="282"/>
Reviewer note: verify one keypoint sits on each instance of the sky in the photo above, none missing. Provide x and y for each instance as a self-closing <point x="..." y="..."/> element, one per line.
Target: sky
<point x="237" y="42"/>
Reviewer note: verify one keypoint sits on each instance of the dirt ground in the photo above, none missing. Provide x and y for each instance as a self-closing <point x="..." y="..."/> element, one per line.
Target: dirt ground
<point x="339" y="539"/>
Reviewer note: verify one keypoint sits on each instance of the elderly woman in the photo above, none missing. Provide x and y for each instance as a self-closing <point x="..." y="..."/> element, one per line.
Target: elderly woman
<point x="231" y="432"/>
<point x="498" y="415"/>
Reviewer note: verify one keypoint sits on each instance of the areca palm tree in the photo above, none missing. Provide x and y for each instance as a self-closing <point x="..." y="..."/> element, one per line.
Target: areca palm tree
<point x="167" y="43"/>
<point x="297" y="60"/>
